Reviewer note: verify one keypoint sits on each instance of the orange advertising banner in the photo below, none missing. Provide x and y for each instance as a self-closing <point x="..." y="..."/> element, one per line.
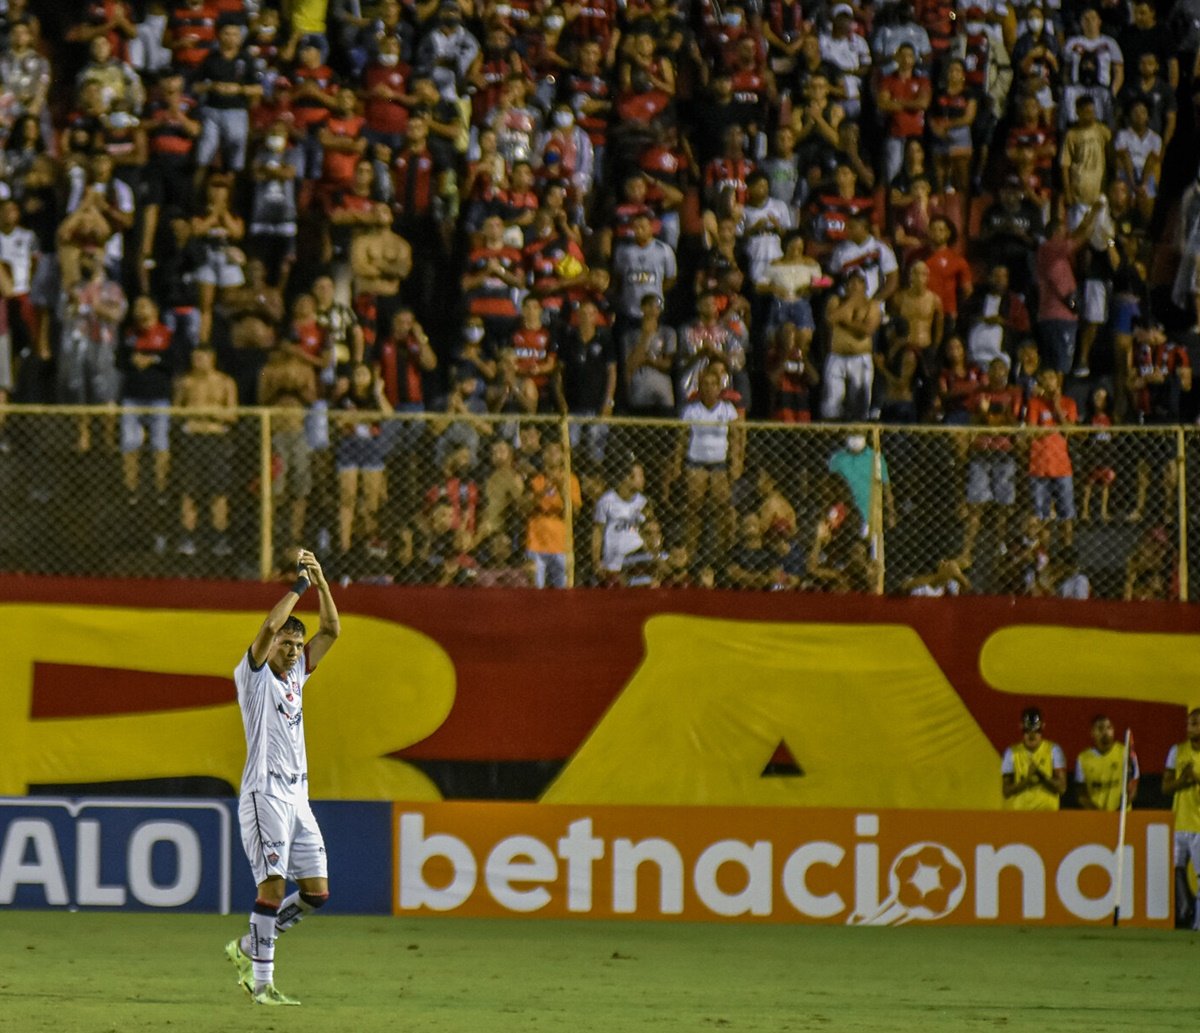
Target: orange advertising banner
<point x="759" y="864"/>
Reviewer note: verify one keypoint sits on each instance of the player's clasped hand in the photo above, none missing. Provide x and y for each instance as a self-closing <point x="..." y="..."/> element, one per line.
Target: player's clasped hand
<point x="310" y="567"/>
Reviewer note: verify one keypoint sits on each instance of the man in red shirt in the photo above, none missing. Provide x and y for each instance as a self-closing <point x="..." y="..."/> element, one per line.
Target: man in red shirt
<point x="342" y="144"/>
<point x="1054" y="268"/>
<point x="1050" y="470"/>
<point x="949" y="273"/>
<point x="992" y="470"/>
<point x="535" y="355"/>
<point x="903" y="97"/>
<point x="386" y="100"/>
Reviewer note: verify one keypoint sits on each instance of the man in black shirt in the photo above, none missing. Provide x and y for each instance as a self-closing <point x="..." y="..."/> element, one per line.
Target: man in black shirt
<point x="226" y="80"/>
<point x="588" y="360"/>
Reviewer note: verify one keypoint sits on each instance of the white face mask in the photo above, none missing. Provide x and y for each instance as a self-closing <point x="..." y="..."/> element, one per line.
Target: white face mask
<point x="1036" y="25"/>
<point x="474" y="334"/>
<point x="389" y="60"/>
<point x="856" y="442"/>
<point x="555" y="22"/>
<point x="733" y="19"/>
<point x="503" y="10"/>
<point x="276" y="143"/>
<point x="975" y="28"/>
<point x="267" y="31"/>
<point x="563" y="119"/>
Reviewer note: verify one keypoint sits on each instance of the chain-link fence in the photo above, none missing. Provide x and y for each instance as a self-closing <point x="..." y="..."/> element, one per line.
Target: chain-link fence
<point x="438" y="499"/>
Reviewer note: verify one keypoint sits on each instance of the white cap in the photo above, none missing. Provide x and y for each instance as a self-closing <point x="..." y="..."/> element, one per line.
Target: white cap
<point x="845" y="9"/>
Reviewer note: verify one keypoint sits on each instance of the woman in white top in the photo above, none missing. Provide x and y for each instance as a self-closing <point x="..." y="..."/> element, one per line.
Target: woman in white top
<point x="713" y="446"/>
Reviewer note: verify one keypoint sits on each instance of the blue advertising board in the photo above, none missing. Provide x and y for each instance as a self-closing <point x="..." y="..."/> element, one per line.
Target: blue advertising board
<point x="181" y="855"/>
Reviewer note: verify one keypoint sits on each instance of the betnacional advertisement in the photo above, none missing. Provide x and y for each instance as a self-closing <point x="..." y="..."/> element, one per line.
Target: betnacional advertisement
<point x="843" y="867"/>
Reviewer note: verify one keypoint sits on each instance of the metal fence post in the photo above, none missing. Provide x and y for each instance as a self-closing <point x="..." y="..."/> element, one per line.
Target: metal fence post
<point x="568" y="506"/>
<point x="875" y="520"/>
<point x="1181" y="487"/>
<point x="266" y="552"/>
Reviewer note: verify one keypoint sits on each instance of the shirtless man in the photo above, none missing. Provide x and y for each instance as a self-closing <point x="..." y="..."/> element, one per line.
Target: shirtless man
<point x="849" y="369"/>
<point x="207" y="452"/>
<point x="288" y="383"/>
<point x="921" y="308"/>
<point x="379" y="259"/>
<point x="255" y="308"/>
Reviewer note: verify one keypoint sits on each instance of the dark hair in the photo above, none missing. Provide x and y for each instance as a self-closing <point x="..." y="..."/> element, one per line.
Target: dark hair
<point x="293" y="626"/>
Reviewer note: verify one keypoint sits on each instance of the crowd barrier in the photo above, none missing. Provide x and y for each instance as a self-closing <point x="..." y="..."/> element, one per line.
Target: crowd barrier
<point x="538" y="861"/>
<point x="432" y="499"/>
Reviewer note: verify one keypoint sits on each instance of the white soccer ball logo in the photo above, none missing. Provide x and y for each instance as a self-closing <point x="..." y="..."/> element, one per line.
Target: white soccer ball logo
<point x="927" y="881"/>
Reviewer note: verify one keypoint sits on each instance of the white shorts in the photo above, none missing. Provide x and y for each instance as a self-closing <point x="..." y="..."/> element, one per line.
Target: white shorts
<point x="1187" y="847"/>
<point x="281" y="837"/>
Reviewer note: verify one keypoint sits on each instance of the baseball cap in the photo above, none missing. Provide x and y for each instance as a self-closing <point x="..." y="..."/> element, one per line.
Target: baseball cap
<point x="1031" y="719"/>
<point x="840" y="9"/>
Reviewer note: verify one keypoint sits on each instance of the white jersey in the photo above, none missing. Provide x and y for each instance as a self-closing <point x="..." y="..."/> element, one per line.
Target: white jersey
<point x="764" y="245"/>
<point x="709" y="441"/>
<point x="17" y="249"/>
<point x="273" y="716"/>
<point x="874" y="259"/>
<point x="1139" y="148"/>
<point x="620" y="520"/>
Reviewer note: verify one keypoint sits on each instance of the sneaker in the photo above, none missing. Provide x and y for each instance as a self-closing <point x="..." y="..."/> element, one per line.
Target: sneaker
<point x="269" y="995"/>
<point x="1081" y="372"/>
<point x="221" y="547"/>
<point x="186" y="547"/>
<point x="243" y="964"/>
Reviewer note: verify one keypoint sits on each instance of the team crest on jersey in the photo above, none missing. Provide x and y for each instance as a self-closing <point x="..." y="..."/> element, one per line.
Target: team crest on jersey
<point x="272" y="857"/>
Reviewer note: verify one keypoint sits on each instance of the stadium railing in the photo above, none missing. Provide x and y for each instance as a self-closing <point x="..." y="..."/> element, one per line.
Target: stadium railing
<point x="880" y="514"/>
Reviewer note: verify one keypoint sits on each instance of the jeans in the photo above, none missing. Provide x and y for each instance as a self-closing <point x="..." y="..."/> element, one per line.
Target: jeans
<point x="549" y="569"/>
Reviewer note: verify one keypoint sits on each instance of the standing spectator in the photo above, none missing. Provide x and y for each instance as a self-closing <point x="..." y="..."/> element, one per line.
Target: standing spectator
<point x="616" y="534"/>
<point x="172" y="131"/>
<point x="226" y="80"/>
<point x="951" y="118"/>
<point x="649" y="360"/>
<point x="206" y="450"/>
<point x="849" y="53"/>
<point x="92" y="311"/>
<point x="1058" y="304"/>
<point x="1103" y="770"/>
<point x="714" y="450"/>
<point x="1181" y="779"/>
<point x="19" y="252"/>
<point x="710" y="341"/>
<point x="854" y="464"/>
<point x="994" y="319"/>
<point x="217" y="231"/>
<point x="360" y="458"/>
<point x="921" y="309"/>
<point x="339" y="325"/>
<point x="274" y="216"/>
<point x="862" y="251"/>
<point x="546" y="501"/>
<point x="1033" y="771"/>
<point x="288" y="383"/>
<point x="853" y="320"/>
<point x="535" y="358"/>
<point x="380" y="262"/>
<point x="949" y="273"/>
<point x="645" y="266"/>
<point x="903" y="97"/>
<point x="1050" y="470"/>
<point x="764" y="222"/>
<point x="1093" y="68"/>
<point x="148" y="361"/>
<point x="991" y="469"/>
<point x="587" y="361"/>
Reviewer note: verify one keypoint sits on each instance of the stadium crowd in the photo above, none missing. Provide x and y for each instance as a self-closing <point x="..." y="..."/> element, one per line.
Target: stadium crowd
<point x="789" y="211"/>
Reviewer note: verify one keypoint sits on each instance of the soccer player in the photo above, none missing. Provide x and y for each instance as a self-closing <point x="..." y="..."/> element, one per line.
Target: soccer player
<point x="279" y="832"/>
<point x="1033" y="771"/>
<point x="1180" y="776"/>
<point x="1098" y="770"/>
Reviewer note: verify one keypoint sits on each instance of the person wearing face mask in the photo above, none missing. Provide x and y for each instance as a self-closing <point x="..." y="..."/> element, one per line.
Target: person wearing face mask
<point x="277" y="168"/>
<point x="386" y="96"/>
<point x="574" y="149"/>
<point x="1036" y="57"/>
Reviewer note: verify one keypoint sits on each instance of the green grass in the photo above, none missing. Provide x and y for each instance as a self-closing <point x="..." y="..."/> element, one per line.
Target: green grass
<point x="95" y="973"/>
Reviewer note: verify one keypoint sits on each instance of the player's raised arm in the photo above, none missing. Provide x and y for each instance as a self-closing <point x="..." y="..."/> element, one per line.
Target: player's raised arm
<point x="260" y="648"/>
<point x="330" y="627"/>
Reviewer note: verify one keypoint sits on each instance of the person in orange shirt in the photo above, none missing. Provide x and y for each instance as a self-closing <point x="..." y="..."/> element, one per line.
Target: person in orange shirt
<point x="949" y="273"/>
<point x="1050" y="470"/>
<point x="546" y="541"/>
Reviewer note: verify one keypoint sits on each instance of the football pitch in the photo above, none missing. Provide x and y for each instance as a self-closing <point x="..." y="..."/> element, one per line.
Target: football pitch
<point x="96" y="973"/>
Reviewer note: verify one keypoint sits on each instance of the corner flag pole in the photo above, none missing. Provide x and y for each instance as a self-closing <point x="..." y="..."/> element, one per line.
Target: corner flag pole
<point x="1119" y="880"/>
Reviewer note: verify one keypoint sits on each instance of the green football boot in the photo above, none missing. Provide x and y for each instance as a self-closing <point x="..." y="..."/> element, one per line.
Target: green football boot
<point x="243" y="964"/>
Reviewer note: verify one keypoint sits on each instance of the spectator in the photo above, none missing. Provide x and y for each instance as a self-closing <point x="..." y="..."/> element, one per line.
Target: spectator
<point x="587" y="359"/>
<point x="1050" y="468"/>
<point x="991" y="468"/>
<point x="361" y="402"/>
<point x="649" y="354"/>
<point x="226" y="80"/>
<point x="206" y="451"/>
<point x="714" y="449"/>
<point x="849" y="368"/>
<point x="288" y="384"/>
<point x="547" y="495"/>
<point x="620" y="513"/>
<point x="148" y="362"/>
<point x="217" y="232"/>
<point x="854" y="465"/>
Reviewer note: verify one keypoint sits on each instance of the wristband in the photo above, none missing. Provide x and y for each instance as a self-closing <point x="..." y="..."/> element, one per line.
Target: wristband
<point x="300" y="585"/>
